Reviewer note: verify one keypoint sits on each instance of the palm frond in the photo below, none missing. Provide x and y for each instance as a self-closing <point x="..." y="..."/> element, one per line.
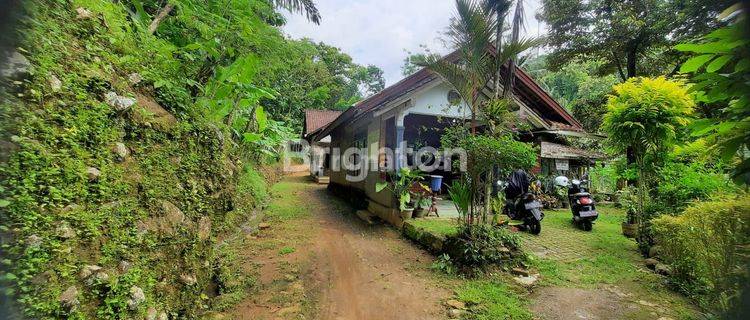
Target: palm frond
<point x="306" y="7"/>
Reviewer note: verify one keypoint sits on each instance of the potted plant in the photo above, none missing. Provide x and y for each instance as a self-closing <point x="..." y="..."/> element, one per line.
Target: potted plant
<point x="627" y="200"/>
<point x="400" y="186"/>
<point x="421" y="194"/>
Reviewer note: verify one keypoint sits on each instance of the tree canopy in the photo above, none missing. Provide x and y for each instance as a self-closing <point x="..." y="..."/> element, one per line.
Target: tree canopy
<point x="632" y="37"/>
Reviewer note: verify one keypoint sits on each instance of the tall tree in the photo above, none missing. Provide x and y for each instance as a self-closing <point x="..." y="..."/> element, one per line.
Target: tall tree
<point x="632" y="37"/>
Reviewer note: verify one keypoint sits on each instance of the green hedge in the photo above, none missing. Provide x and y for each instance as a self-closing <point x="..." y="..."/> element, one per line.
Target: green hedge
<point x="707" y="248"/>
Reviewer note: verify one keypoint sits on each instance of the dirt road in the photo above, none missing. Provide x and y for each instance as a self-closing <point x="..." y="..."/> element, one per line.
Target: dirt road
<point x="318" y="261"/>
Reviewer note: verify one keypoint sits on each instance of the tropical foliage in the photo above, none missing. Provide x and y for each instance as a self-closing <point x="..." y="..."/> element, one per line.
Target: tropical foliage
<point x="720" y="65"/>
<point x="645" y="116"/>
<point x="632" y="38"/>
<point x="706" y="247"/>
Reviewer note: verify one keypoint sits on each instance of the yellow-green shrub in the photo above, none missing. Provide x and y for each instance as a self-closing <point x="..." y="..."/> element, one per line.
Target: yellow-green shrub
<point x="705" y="248"/>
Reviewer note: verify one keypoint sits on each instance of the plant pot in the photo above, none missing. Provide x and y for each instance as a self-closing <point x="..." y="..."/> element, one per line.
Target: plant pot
<point x="630" y="230"/>
<point x="419" y="213"/>
<point x="406" y="214"/>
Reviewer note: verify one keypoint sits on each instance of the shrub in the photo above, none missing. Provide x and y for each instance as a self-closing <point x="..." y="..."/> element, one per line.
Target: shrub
<point x="680" y="183"/>
<point x="705" y="247"/>
<point x="479" y="246"/>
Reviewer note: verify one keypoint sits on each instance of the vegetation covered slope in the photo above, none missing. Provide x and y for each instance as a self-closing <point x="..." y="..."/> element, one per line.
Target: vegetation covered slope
<point x="117" y="191"/>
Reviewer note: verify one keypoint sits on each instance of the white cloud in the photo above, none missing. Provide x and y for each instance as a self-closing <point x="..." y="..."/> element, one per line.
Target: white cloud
<point x="378" y="31"/>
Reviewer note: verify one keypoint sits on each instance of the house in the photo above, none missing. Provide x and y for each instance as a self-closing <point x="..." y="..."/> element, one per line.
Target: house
<point x="414" y="112"/>
<point x="319" y="150"/>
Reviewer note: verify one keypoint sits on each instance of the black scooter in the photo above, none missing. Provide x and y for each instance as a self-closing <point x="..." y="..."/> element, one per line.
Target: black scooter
<point x="521" y="204"/>
<point x="582" y="204"/>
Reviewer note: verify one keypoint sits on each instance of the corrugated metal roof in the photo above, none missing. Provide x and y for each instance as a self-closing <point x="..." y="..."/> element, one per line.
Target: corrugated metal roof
<point x="558" y="151"/>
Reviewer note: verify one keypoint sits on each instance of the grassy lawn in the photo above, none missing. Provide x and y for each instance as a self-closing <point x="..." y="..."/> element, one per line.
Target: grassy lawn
<point x="443" y="227"/>
<point x="568" y="257"/>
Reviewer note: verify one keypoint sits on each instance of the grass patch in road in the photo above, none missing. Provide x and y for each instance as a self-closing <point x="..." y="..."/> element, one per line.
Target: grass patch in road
<point x="493" y="299"/>
<point x="443" y="227"/>
<point x="286" y="203"/>
<point x="286" y="250"/>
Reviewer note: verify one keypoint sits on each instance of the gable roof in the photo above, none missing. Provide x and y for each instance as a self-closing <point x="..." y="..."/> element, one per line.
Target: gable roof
<point x="526" y="90"/>
<point x="317" y="119"/>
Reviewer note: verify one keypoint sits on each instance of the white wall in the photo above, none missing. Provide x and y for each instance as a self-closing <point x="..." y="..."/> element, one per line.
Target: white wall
<point x="434" y="101"/>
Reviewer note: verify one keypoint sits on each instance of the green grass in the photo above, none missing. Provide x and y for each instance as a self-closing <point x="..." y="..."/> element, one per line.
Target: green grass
<point x="585" y="258"/>
<point x="493" y="299"/>
<point x="286" y="250"/>
<point x="285" y="205"/>
<point x="443" y="227"/>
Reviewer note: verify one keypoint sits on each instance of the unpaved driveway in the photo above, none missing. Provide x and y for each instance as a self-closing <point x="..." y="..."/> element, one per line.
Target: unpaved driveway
<point x="340" y="268"/>
<point x="597" y="274"/>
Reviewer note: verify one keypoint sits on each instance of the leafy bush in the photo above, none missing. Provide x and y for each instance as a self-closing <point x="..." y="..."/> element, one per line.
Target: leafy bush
<point x="680" y="183"/>
<point x="707" y="249"/>
<point x="480" y="246"/>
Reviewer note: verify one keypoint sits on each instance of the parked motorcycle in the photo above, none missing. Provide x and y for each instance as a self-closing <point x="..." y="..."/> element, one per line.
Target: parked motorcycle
<point x="582" y="204"/>
<point x="521" y="204"/>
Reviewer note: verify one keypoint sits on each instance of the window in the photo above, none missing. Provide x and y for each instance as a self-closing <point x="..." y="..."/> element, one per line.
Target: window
<point x="454" y="98"/>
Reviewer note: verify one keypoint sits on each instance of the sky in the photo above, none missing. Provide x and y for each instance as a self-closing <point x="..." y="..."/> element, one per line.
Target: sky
<point x="380" y="32"/>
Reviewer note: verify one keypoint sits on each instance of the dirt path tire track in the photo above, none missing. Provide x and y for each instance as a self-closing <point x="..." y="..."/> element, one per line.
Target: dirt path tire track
<point x="349" y="270"/>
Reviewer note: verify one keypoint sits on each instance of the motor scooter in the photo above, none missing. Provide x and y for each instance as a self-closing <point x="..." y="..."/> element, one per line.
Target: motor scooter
<point x="582" y="204"/>
<point x="521" y="204"/>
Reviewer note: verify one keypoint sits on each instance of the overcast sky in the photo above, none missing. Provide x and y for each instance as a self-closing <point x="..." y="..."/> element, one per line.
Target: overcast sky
<point x="378" y="32"/>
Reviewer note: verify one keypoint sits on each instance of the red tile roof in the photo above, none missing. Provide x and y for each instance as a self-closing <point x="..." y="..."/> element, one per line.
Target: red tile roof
<point x="526" y="89"/>
<point x="316" y="119"/>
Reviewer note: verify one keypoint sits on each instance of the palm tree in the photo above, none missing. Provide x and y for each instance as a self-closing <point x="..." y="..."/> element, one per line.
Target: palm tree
<point x="306" y="7"/>
<point x="515" y="30"/>
<point x="500" y="9"/>
<point x="473" y="33"/>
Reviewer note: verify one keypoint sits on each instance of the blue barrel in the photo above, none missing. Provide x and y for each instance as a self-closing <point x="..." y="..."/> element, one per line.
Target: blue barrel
<point x="435" y="183"/>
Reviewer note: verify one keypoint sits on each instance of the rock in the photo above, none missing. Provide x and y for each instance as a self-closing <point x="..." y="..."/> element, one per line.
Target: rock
<point x="55" y="83"/>
<point x="70" y="208"/>
<point x="120" y="103"/>
<point x="135" y="78"/>
<point x="65" y="231"/>
<point x="121" y="151"/>
<point x="151" y="313"/>
<point x="69" y="298"/>
<point x="664" y="318"/>
<point x="124" y="266"/>
<point x="456" y="313"/>
<point x="16" y="66"/>
<point x="93" y="173"/>
<point x="663" y="269"/>
<point x="455" y="304"/>
<point x="527" y="281"/>
<point x="654" y="251"/>
<point x="83" y="13"/>
<point x="264" y="226"/>
<point x="520" y="272"/>
<point x="42" y="278"/>
<point x="173" y="218"/>
<point x="204" y="228"/>
<point x="6" y="149"/>
<point x="136" y="297"/>
<point x="188" y="279"/>
<point x="33" y="241"/>
<point x="163" y="316"/>
<point x="651" y="263"/>
<point x="88" y="271"/>
<point x="504" y="250"/>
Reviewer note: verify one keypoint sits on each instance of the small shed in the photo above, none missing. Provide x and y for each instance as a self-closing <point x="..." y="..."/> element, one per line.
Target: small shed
<point x="558" y="159"/>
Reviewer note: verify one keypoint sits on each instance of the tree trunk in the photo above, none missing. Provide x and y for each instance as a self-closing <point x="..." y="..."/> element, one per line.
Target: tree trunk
<point x="163" y="13"/>
<point x="631" y="63"/>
